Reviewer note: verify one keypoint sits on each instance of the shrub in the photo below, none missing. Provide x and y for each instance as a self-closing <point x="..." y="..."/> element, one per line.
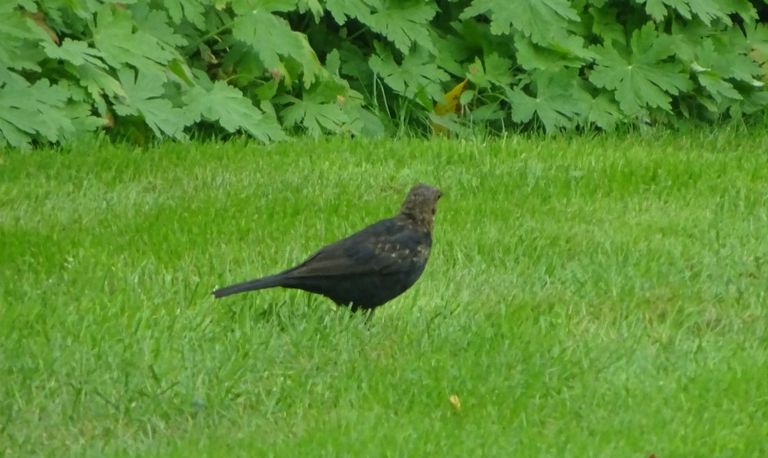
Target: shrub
<point x="269" y="68"/>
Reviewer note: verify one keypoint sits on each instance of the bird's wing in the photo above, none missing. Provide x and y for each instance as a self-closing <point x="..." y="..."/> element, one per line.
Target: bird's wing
<point x="384" y="247"/>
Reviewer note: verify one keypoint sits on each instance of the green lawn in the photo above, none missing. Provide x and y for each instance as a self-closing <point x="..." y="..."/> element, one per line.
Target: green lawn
<point x="585" y="297"/>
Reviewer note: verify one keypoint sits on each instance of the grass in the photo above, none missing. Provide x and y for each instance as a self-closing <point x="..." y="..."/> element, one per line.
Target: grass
<point x="585" y="297"/>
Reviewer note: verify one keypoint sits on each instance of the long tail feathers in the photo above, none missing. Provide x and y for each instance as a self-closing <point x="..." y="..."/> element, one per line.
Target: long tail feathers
<point x="259" y="283"/>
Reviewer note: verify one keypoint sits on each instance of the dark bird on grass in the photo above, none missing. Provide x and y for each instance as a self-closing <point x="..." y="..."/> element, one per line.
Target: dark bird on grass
<point x="370" y="267"/>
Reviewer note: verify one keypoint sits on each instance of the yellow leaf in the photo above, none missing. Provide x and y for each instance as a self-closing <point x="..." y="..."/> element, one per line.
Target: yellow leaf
<point x="455" y="401"/>
<point x="450" y="104"/>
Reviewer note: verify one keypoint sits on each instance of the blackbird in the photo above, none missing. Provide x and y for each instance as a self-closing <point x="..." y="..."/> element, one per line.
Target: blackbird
<point x="368" y="268"/>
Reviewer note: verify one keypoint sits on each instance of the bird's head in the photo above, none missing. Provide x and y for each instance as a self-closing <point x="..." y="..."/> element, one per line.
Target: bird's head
<point x="420" y="205"/>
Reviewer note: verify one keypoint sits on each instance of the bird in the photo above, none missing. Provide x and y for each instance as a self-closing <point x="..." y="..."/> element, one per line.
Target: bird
<point x="368" y="268"/>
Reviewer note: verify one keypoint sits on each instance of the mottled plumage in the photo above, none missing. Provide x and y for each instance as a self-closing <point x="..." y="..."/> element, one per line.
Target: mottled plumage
<point x="370" y="267"/>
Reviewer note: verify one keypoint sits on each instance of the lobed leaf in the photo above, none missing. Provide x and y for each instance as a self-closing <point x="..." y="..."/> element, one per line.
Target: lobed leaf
<point x="558" y="101"/>
<point x="227" y="106"/>
<point x="416" y="73"/>
<point x="706" y="10"/>
<point x="644" y="78"/>
<point x="145" y="97"/>
<point x="342" y="10"/>
<point x="18" y="40"/>
<point x="540" y="20"/>
<point x="271" y="38"/>
<point x="403" y="23"/>
<point x="119" y="41"/>
<point x="74" y="52"/>
<point x="191" y="10"/>
<point x="40" y="111"/>
<point x="494" y="70"/>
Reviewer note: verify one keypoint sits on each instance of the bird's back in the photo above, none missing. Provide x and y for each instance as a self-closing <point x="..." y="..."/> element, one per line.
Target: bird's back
<point x="367" y="268"/>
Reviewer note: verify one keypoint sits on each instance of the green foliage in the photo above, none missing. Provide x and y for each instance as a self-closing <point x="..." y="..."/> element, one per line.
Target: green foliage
<point x="269" y="68"/>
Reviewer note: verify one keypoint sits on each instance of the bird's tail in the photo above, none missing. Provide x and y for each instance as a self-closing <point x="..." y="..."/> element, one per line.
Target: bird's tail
<point x="259" y="283"/>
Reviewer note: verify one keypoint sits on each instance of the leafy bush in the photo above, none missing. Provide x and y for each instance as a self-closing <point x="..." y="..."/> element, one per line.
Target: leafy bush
<point x="168" y="68"/>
